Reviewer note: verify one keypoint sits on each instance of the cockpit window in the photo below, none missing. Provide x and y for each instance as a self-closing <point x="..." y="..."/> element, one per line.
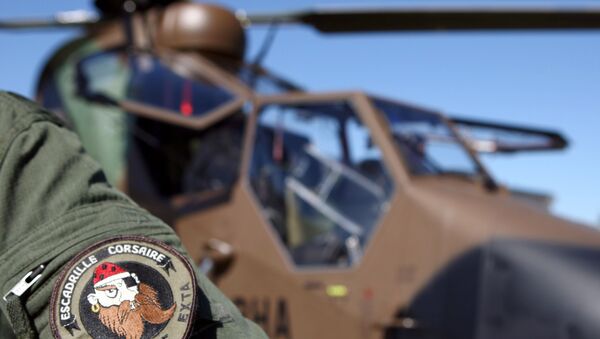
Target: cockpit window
<point x="178" y="159"/>
<point x="155" y="83"/>
<point x="320" y="180"/>
<point x="426" y="142"/>
<point x="170" y="161"/>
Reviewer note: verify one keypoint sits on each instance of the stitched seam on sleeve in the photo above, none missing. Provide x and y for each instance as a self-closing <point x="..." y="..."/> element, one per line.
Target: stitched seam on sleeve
<point x="21" y="125"/>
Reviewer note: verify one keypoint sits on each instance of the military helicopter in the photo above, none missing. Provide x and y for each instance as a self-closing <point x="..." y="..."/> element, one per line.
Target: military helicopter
<point x="324" y="215"/>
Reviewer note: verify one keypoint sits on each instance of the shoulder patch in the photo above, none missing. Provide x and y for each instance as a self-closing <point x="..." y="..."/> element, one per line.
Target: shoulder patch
<point x="124" y="287"/>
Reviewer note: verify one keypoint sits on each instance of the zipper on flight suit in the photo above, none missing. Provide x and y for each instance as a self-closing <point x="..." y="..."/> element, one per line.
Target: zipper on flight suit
<point x="17" y="312"/>
<point x="26" y="282"/>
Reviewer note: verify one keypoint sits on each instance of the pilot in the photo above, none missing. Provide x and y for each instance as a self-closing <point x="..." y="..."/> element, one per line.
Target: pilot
<point x="413" y="148"/>
<point x="70" y="243"/>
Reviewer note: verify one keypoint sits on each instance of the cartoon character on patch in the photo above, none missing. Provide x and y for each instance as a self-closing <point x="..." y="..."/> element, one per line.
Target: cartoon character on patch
<point x="123" y="303"/>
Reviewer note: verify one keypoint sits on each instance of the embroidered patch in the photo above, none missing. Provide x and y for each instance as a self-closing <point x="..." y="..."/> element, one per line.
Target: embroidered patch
<point x="125" y="287"/>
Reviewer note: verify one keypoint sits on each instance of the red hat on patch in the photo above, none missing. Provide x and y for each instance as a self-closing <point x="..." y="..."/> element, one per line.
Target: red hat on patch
<point x="107" y="271"/>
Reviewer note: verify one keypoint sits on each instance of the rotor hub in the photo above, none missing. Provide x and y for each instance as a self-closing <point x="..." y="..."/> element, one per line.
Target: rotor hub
<point x="202" y="28"/>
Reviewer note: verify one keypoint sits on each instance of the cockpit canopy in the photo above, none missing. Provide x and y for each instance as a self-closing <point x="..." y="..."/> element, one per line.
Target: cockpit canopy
<point x="428" y="145"/>
<point x="321" y="182"/>
<point x="316" y="171"/>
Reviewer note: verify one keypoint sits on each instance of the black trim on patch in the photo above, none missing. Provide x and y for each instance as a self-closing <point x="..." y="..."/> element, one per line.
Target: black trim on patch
<point x="126" y="286"/>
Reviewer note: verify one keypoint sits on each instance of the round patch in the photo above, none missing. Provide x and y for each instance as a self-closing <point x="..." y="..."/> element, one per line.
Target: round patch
<point x="125" y="287"/>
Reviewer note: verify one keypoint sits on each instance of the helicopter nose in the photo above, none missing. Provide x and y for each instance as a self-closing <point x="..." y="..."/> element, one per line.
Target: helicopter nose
<point x="539" y="290"/>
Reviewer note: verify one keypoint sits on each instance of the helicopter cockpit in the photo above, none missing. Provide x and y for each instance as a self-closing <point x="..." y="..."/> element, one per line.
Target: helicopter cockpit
<point x="320" y="179"/>
<point x="169" y="127"/>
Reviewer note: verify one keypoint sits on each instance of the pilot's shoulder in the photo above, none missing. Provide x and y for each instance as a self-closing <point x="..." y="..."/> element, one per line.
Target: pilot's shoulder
<point x="17" y="113"/>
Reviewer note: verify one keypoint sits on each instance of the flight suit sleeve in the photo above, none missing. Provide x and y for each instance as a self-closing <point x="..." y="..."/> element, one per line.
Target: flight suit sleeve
<point x="55" y="202"/>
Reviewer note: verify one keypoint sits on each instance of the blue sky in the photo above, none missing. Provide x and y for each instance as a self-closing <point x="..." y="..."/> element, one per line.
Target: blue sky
<point x="543" y="79"/>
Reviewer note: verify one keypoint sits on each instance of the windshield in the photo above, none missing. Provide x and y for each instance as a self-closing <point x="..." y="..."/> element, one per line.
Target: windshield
<point x="426" y="142"/>
<point x="321" y="182"/>
<point x="154" y="82"/>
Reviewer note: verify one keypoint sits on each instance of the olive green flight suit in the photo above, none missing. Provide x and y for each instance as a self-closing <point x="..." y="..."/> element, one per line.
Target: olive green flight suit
<point x="54" y="203"/>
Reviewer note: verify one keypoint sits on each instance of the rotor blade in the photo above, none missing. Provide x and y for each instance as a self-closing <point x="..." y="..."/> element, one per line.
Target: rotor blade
<point x="436" y="18"/>
<point x="60" y="20"/>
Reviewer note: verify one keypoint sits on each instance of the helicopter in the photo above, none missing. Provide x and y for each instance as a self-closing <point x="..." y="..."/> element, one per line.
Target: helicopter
<point x="316" y="209"/>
